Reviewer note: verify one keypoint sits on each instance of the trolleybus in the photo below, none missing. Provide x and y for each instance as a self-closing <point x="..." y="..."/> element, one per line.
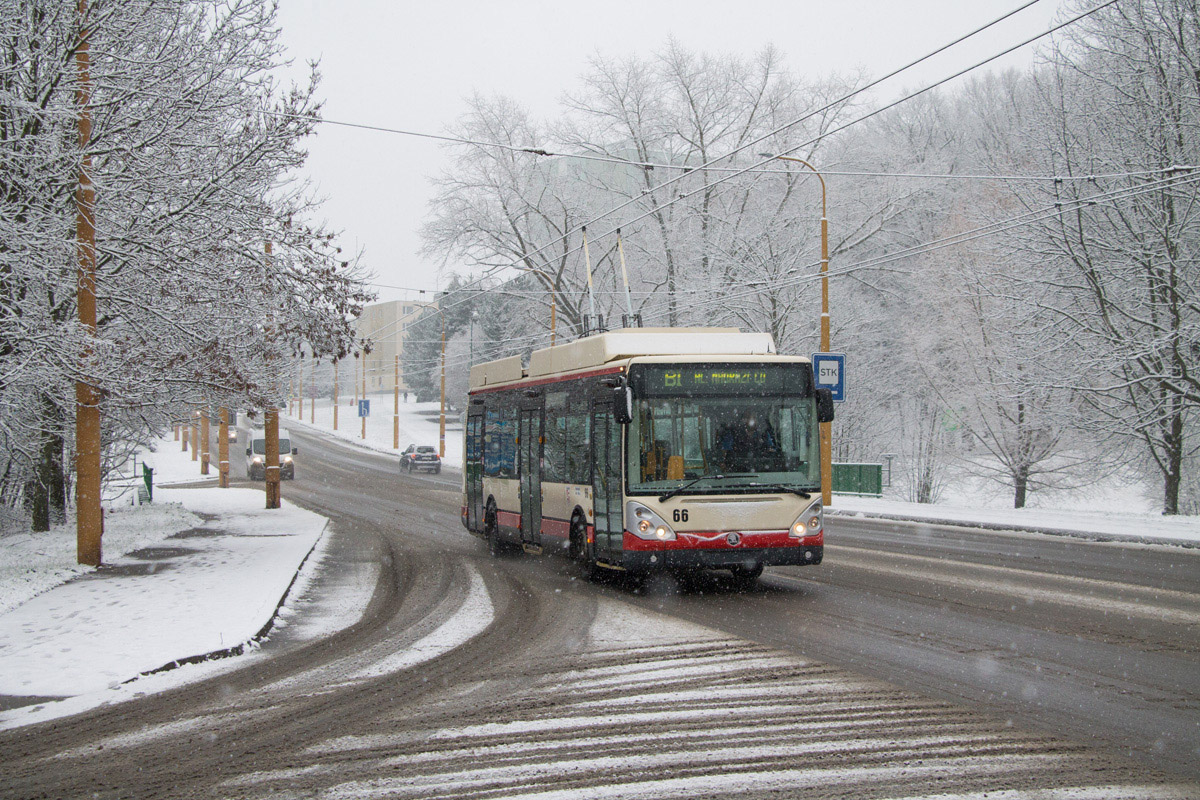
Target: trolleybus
<point x="649" y="448"/>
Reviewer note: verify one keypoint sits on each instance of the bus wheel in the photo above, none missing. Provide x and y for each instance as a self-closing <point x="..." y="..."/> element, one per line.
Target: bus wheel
<point x="747" y="573"/>
<point x="578" y="546"/>
<point x="578" y="538"/>
<point x="491" y="531"/>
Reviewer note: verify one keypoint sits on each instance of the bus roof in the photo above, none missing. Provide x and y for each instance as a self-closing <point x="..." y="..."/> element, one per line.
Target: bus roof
<point x="603" y="348"/>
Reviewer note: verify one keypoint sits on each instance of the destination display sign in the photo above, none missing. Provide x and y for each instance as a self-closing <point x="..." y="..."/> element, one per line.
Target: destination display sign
<point x="720" y="379"/>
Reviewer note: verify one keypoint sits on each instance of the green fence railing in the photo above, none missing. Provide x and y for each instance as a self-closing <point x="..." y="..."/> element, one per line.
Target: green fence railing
<point x="864" y="479"/>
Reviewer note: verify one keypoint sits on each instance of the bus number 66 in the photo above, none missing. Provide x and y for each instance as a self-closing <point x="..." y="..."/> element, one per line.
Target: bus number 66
<point x="680" y="515"/>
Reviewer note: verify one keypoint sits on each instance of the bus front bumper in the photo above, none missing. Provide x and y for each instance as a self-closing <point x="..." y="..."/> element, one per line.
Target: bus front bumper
<point x="642" y="556"/>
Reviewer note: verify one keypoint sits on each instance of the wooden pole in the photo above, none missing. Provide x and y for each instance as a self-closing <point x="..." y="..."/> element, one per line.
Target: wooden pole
<point x="205" y="453"/>
<point x="271" y="434"/>
<point x="223" y="450"/>
<point x="89" y="523"/>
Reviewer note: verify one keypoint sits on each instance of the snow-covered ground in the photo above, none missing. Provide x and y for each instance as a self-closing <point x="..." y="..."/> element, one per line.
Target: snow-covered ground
<point x="199" y="571"/>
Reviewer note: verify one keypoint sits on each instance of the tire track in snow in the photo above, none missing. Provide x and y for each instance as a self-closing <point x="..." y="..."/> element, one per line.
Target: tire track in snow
<point x="645" y="709"/>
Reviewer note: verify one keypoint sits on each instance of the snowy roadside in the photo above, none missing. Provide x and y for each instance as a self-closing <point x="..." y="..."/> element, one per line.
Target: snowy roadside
<point x="200" y="572"/>
<point x="1147" y="528"/>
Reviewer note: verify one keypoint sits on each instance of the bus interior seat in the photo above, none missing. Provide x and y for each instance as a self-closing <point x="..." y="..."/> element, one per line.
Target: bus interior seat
<point x="675" y="468"/>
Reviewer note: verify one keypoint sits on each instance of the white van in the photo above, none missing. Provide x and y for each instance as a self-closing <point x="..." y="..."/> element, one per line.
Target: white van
<point x="256" y="456"/>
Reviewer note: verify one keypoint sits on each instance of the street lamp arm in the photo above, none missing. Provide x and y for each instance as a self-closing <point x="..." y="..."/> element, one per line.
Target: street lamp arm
<point x="815" y="171"/>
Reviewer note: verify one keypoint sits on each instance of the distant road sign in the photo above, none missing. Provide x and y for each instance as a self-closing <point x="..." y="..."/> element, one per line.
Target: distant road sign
<point x="829" y="369"/>
<point x="364" y="408"/>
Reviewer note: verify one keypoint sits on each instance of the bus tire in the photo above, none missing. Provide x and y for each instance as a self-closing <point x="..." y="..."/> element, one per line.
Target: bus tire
<point x="496" y="545"/>
<point x="578" y="550"/>
<point x="491" y="531"/>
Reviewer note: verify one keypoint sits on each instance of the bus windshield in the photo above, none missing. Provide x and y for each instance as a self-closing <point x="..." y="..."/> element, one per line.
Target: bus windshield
<point x="717" y="440"/>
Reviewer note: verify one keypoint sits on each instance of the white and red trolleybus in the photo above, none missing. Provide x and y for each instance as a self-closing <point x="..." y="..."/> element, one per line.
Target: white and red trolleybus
<point x="649" y="448"/>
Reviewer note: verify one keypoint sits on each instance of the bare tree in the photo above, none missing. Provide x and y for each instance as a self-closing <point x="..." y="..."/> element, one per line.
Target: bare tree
<point x="1121" y="99"/>
<point x="191" y="147"/>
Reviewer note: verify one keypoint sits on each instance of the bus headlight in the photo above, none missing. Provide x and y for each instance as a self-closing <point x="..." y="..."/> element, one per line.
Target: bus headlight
<point x="645" y="524"/>
<point x="810" y="522"/>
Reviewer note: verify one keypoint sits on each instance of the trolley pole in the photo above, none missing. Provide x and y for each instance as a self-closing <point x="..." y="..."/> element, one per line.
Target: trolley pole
<point x="396" y="404"/>
<point x="89" y="522"/>
<point x="364" y="392"/>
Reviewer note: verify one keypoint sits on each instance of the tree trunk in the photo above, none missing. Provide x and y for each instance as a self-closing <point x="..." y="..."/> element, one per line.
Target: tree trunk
<point x="1173" y="457"/>
<point x="47" y="490"/>
<point x="1021" y="483"/>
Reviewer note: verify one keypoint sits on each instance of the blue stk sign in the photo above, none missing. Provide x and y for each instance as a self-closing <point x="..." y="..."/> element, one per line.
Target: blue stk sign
<point x="364" y="408"/>
<point x="829" y="370"/>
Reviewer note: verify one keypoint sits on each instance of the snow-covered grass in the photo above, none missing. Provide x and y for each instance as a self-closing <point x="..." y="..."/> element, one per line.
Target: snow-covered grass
<point x="31" y="563"/>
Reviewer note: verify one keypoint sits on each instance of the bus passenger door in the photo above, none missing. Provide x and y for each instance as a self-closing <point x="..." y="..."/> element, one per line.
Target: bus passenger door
<point x="473" y="469"/>
<point x="529" y="456"/>
<point x="606" y="480"/>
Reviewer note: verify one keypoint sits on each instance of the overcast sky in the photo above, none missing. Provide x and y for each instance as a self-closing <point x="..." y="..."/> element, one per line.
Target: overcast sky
<point x="409" y="65"/>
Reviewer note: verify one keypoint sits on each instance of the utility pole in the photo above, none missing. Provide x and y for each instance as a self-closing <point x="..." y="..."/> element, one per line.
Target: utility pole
<point x="364" y="390"/>
<point x="396" y="403"/>
<point x="205" y="453"/>
<point x="336" y="368"/>
<point x="300" y="385"/>
<point x="271" y="423"/>
<point x="223" y="450"/>
<point x="312" y="401"/>
<point x="89" y="522"/>
<point x="442" y="417"/>
<point x="195" y="437"/>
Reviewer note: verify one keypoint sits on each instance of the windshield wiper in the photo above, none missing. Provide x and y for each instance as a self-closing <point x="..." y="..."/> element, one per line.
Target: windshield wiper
<point x="781" y="487"/>
<point x="665" y="497"/>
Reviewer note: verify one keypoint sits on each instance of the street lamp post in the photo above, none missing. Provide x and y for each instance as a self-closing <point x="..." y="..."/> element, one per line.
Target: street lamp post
<point x="826" y="427"/>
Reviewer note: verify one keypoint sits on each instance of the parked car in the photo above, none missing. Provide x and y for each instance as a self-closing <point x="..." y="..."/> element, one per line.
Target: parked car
<point x="256" y="456"/>
<point x="421" y="457"/>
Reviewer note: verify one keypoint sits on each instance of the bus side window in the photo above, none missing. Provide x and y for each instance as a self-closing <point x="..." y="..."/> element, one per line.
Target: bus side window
<point x="491" y="446"/>
<point x="508" y="444"/>
<point x="578" y="449"/>
<point x="554" y="457"/>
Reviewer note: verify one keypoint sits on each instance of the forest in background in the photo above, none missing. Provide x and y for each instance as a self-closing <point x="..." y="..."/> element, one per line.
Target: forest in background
<point x="1013" y="270"/>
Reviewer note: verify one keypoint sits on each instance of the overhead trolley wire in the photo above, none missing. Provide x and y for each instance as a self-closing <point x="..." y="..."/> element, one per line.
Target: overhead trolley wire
<point x="709" y="184"/>
<point x="542" y="152"/>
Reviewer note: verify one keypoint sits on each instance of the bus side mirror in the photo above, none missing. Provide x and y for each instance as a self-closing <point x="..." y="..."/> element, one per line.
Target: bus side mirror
<point x="623" y="405"/>
<point x="824" y="405"/>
